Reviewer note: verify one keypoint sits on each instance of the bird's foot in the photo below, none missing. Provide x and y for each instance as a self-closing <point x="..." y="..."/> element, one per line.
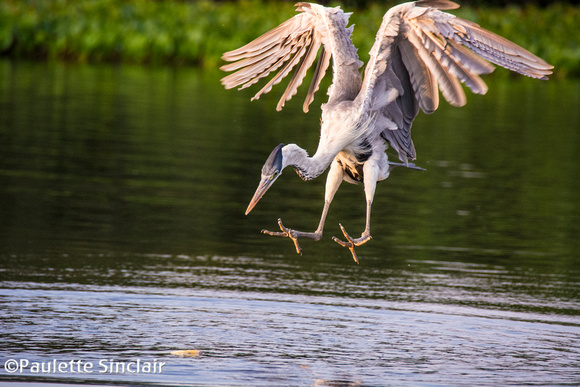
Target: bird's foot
<point x="293" y="234"/>
<point x="352" y="243"/>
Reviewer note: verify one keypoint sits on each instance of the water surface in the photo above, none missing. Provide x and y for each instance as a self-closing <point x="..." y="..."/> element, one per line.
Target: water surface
<point x="122" y="192"/>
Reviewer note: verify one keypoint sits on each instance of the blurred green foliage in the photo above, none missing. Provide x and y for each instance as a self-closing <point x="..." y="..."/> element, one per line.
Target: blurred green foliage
<point x="198" y="32"/>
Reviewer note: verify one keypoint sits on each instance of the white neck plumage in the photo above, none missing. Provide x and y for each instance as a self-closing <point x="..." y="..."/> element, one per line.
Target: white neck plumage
<point x="306" y="167"/>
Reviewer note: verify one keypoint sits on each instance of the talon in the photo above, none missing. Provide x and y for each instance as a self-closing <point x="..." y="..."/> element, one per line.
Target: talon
<point x="345" y="233"/>
<point x="287" y="233"/>
<point x="351" y="243"/>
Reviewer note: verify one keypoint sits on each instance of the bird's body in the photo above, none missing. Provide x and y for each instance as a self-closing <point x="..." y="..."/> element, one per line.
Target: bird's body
<point x="418" y="51"/>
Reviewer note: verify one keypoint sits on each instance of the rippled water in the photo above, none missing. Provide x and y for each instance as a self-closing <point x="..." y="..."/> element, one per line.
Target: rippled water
<point x="122" y="192"/>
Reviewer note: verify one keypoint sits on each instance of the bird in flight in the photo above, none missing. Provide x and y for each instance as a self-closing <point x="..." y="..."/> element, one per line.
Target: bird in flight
<point x="419" y="50"/>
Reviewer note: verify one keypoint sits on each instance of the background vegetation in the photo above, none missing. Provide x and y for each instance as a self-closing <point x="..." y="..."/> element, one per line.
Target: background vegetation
<point x="198" y="32"/>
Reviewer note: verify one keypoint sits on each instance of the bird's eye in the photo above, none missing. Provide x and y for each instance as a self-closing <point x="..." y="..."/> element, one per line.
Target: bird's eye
<point x="274" y="175"/>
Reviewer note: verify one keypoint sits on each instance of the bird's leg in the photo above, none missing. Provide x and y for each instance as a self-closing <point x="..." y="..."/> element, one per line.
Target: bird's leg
<point x="332" y="183"/>
<point x="370" y="182"/>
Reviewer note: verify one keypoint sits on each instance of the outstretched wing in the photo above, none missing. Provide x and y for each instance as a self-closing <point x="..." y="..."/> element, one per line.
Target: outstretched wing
<point x="419" y="50"/>
<point x="296" y="42"/>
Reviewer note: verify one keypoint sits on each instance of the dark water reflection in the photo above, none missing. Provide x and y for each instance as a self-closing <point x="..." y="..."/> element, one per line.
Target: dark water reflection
<point x="122" y="192"/>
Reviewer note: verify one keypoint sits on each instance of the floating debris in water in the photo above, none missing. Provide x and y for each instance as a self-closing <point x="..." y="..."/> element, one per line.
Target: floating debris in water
<point x="187" y="353"/>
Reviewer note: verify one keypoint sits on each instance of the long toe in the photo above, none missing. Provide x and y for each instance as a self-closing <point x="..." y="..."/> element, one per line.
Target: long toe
<point x="351" y="243"/>
<point x="284" y="233"/>
<point x="364" y="238"/>
<point x="287" y="233"/>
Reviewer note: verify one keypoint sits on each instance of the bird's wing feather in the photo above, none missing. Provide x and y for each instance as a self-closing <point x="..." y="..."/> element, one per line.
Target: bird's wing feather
<point x="296" y="43"/>
<point x="420" y="50"/>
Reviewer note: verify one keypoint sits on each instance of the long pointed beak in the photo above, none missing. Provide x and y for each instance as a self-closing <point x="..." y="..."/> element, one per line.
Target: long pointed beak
<point x="265" y="183"/>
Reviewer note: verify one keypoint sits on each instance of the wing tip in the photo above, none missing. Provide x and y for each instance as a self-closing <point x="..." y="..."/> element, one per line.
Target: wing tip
<point x="439" y="4"/>
<point x="300" y="7"/>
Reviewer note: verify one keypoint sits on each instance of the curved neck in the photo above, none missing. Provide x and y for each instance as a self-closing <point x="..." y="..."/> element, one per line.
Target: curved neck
<point x="306" y="167"/>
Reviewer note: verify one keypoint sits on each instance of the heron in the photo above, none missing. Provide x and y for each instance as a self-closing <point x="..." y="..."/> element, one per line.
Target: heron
<point x="419" y="51"/>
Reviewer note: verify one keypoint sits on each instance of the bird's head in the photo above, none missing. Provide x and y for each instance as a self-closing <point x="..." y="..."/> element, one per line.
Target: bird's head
<point x="270" y="172"/>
